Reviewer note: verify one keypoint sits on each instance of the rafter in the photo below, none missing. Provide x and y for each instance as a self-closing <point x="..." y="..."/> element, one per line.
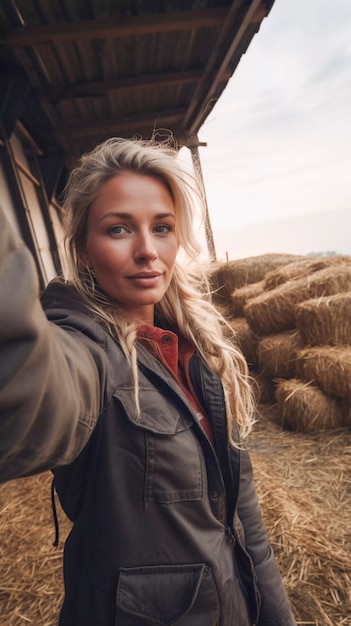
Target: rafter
<point x="155" y="120"/>
<point x="207" y="89"/>
<point x="114" y="27"/>
<point x="100" y="88"/>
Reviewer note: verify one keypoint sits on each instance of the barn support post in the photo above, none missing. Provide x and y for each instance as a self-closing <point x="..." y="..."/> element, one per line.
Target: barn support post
<point x="194" y="149"/>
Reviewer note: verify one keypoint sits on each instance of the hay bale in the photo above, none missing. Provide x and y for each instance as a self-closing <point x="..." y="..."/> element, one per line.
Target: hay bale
<point x="304" y="407"/>
<point x="276" y="354"/>
<point x="225" y="277"/>
<point x="240" y="297"/>
<point x="301" y="268"/>
<point x="329" y="367"/>
<point x="245" y="339"/>
<point x="274" y="311"/>
<point x="325" y="321"/>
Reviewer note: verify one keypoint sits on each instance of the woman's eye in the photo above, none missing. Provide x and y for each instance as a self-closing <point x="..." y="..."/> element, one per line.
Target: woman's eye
<point x="117" y="230"/>
<point x="163" y="228"/>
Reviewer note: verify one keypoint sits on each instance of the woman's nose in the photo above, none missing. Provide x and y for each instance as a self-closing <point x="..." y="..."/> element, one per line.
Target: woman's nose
<point x="145" y="248"/>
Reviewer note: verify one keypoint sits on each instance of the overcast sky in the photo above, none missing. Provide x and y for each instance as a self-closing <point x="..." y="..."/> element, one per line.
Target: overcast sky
<point x="279" y="138"/>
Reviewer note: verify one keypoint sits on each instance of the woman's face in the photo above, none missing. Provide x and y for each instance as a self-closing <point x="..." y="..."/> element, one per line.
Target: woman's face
<point x="131" y="245"/>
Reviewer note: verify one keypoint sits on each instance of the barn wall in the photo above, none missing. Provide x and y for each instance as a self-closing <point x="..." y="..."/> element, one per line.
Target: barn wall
<point x="24" y="201"/>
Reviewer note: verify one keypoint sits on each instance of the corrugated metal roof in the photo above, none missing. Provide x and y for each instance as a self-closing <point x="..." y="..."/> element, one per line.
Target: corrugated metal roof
<point x="102" y="68"/>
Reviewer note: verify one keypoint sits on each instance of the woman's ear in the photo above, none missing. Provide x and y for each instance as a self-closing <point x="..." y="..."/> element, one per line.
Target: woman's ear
<point x="84" y="258"/>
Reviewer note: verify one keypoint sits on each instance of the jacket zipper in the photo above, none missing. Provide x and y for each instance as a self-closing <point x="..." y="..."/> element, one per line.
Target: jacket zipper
<point x="229" y="529"/>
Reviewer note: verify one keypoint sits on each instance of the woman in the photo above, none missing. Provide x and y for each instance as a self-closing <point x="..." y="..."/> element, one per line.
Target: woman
<point x="128" y="390"/>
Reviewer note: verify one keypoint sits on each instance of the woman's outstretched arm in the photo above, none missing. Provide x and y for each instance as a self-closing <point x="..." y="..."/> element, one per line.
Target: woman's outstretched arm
<point x="50" y="379"/>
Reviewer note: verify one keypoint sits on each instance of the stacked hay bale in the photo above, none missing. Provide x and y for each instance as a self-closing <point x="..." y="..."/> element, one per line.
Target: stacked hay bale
<point x="226" y="277"/>
<point x="324" y="325"/>
<point x="234" y="284"/>
<point x="293" y="326"/>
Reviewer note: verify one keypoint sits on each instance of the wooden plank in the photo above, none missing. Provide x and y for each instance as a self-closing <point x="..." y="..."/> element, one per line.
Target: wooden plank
<point x="213" y="77"/>
<point x="100" y="88"/>
<point x="155" y="120"/>
<point x="114" y="27"/>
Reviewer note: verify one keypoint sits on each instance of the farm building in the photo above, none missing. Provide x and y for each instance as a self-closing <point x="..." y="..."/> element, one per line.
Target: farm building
<point x="75" y="73"/>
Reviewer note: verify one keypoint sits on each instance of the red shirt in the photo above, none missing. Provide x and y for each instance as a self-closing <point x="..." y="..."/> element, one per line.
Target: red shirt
<point x="175" y="354"/>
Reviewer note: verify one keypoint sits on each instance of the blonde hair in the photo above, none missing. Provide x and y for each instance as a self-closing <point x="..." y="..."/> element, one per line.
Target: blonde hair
<point x="187" y="301"/>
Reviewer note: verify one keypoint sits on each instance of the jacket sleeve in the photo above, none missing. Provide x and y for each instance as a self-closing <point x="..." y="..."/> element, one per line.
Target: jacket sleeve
<point x="275" y="609"/>
<point x="50" y="379"/>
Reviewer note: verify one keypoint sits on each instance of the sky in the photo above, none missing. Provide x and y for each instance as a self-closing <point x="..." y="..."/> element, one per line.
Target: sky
<point x="278" y="155"/>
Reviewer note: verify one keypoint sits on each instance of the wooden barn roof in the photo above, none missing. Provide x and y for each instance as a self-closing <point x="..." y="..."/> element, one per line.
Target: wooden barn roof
<point x="100" y="68"/>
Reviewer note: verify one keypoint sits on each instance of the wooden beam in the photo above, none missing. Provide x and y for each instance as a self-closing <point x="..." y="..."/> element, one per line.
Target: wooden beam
<point x="207" y="88"/>
<point x="48" y="108"/>
<point x="157" y="120"/>
<point x="114" y="27"/>
<point x="100" y="88"/>
<point x="208" y="228"/>
<point x="260" y="13"/>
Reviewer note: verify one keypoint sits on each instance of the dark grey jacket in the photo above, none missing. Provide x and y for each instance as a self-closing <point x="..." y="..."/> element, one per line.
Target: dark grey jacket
<point x="166" y="530"/>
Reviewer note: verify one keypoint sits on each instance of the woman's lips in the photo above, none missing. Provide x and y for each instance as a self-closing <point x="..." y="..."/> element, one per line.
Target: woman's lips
<point x="145" y="279"/>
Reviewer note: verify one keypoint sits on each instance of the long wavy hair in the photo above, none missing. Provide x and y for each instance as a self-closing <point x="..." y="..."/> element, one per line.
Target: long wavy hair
<point x="186" y="304"/>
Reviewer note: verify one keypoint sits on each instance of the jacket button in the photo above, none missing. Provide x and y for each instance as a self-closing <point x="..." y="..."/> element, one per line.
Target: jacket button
<point x="214" y="495"/>
<point x="166" y="338"/>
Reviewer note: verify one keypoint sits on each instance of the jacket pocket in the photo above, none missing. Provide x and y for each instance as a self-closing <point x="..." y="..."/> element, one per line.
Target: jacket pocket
<point x="167" y="595"/>
<point x="173" y="471"/>
<point x="174" y="463"/>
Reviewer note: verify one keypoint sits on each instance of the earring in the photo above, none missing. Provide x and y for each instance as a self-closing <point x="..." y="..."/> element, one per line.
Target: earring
<point x="90" y="274"/>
